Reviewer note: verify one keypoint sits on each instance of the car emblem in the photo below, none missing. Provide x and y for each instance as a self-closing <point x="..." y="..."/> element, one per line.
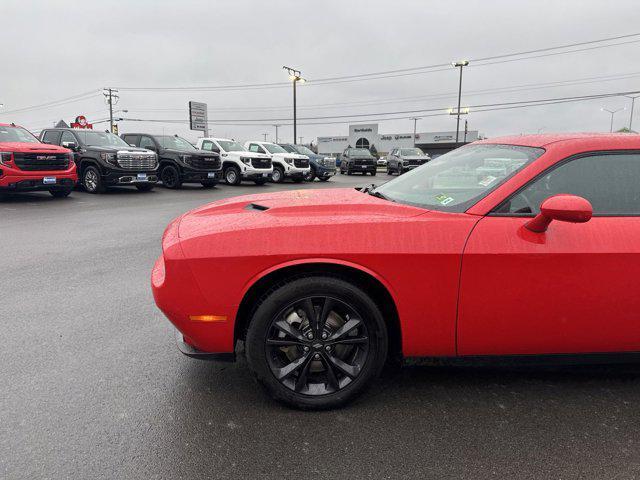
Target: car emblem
<point x="317" y="346"/>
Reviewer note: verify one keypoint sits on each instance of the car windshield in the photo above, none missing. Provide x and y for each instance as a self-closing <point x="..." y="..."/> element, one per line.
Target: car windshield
<point x="456" y="180"/>
<point x="411" y="151"/>
<point x="360" y="151"/>
<point x="92" y="138"/>
<point x="174" y="143"/>
<point x="16" y="134"/>
<point x="231" y="146"/>
<point x="289" y="148"/>
<point x="302" y="150"/>
<point x="273" y="148"/>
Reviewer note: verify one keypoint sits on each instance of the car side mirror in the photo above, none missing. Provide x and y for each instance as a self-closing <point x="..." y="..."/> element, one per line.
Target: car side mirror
<point x="73" y="146"/>
<point x="563" y="208"/>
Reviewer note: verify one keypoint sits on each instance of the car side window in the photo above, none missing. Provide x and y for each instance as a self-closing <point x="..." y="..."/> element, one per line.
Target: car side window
<point x="51" y="137"/>
<point x="132" y="139"/>
<point x="608" y="181"/>
<point x="207" y="144"/>
<point x="253" y="147"/>
<point x="67" y="137"/>
<point x="146" y="142"/>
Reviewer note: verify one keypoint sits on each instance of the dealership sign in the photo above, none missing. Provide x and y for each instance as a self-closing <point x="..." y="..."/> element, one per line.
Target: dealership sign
<point x="81" y="122"/>
<point x="198" y="116"/>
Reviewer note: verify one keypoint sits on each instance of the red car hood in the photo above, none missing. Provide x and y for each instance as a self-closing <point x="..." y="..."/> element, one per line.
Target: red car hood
<point x="296" y="208"/>
<point x="30" y="147"/>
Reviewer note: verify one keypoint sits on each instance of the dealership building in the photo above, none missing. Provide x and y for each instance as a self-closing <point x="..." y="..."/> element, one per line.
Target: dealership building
<point x="367" y="135"/>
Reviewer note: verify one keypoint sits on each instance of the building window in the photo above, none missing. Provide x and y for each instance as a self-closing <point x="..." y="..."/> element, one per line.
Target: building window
<point x="362" y="143"/>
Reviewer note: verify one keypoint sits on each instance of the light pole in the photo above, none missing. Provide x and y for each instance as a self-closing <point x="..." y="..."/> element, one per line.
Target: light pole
<point x="265" y="136"/>
<point x="276" y="125"/>
<point x="633" y="101"/>
<point x="459" y="64"/>
<point x="295" y="77"/>
<point x="415" y="121"/>
<point x="300" y="139"/>
<point x="612" y="113"/>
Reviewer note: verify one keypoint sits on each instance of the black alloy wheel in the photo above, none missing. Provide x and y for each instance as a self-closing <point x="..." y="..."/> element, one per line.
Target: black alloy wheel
<point x="316" y="342"/>
<point x="170" y="177"/>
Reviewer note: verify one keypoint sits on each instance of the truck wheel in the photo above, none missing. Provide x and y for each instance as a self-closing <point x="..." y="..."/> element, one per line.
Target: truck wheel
<point x="316" y="342"/>
<point x="310" y="177"/>
<point x="232" y="176"/>
<point x="278" y="175"/>
<point x="209" y="183"/>
<point x="145" y="187"/>
<point x="60" y="193"/>
<point x="91" y="180"/>
<point x="260" y="181"/>
<point x="170" y="177"/>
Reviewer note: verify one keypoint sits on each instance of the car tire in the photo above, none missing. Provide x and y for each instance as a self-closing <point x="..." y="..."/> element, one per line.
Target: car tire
<point x="145" y="187"/>
<point x="286" y="364"/>
<point x="232" y="176"/>
<point x="260" y="181"/>
<point x="92" y="181"/>
<point x="170" y="177"/>
<point x="209" y="183"/>
<point x="311" y="176"/>
<point x="278" y="175"/>
<point x="60" y="193"/>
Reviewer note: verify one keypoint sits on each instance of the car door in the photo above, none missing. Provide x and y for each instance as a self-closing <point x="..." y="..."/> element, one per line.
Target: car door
<point x="51" y="137"/>
<point x="571" y="289"/>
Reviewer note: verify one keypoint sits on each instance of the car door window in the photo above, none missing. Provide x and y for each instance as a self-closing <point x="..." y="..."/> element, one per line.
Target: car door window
<point x="608" y="181"/>
<point x="146" y="142"/>
<point x="207" y="145"/>
<point x="68" y="137"/>
<point x="51" y="137"/>
<point x="132" y="139"/>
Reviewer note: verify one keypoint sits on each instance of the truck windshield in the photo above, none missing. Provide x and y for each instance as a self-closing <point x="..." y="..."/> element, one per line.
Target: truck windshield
<point x="231" y="146"/>
<point x="456" y="180"/>
<point x="174" y="143"/>
<point x="302" y="150"/>
<point x="360" y="151"/>
<point x="411" y="151"/>
<point x="92" y="138"/>
<point x="16" y="134"/>
<point x="273" y="148"/>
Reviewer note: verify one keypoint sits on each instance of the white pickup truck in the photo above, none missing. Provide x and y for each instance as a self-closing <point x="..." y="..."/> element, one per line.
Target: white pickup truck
<point x="237" y="163"/>
<point x="285" y="164"/>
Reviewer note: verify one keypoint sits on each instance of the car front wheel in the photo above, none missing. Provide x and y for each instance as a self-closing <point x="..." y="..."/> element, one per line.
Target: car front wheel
<point x="310" y="175"/>
<point x="278" y="175"/>
<point x="316" y="342"/>
<point x="170" y="177"/>
<point x="232" y="176"/>
<point x="92" y="181"/>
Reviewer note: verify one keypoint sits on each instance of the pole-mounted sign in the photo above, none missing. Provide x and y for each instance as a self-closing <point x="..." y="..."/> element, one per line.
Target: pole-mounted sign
<point x="198" y="117"/>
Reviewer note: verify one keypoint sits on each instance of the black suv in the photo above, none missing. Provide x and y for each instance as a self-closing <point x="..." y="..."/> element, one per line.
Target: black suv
<point x="104" y="159"/>
<point x="180" y="162"/>
<point x="358" y="160"/>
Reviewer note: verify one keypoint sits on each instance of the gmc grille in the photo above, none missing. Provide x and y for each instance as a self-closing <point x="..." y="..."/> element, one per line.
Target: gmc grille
<point x="41" y="161"/>
<point x="301" y="162"/>
<point x="413" y="162"/>
<point x="133" y="161"/>
<point x="261" y="162"/>
<point x="362" y="162"/>
<point x="205" y="163"/>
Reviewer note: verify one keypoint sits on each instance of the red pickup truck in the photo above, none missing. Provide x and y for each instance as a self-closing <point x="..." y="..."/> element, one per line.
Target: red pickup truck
<point x="26" y="164"/>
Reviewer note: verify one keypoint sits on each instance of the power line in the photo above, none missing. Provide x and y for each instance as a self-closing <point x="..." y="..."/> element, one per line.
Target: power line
<point x="53" y="103"/>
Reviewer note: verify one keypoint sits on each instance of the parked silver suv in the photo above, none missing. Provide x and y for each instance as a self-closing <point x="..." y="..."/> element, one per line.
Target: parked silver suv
<point x="401" y="160"/>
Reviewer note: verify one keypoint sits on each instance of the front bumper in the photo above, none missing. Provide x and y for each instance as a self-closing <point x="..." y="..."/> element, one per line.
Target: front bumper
<point x="362" y="168"/>
<point x="324" y="172"/>
<point x="125" y="177"/>
<point x="201" y="175"/>
<point x="26" y="181"/>
<point x="257" y="174"/>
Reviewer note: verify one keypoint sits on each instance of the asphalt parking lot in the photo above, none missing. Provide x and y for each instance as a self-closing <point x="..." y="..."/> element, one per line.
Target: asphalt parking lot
<point x="93" y="386"/>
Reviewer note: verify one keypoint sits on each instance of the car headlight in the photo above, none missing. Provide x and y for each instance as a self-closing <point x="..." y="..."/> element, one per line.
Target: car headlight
<point x="109" y="158"/>
<point x="289" y="160"/>
<point x="246" y="160"/>
<point x="185" y="159"/>
<point x="5" y="158"/>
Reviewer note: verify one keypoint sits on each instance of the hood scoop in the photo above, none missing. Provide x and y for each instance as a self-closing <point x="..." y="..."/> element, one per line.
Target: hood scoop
<point x="255" y="206"/>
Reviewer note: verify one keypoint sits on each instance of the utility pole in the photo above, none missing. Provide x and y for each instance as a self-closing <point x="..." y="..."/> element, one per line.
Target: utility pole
<point x="466" y="129"/>
<point x="300" y="139"/>
<point x="633" y="101"/>
<point x="295" y="77"/>
<point x="415" y="121"/>
<point x="459" y="64"/>
<point x="265" y="136"/>
<point x="111" y="94"/>
<point x="612" y="113"/>
<point x="276" y="125"/>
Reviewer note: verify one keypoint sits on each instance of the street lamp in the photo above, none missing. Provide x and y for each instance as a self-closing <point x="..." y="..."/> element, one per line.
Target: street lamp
<point x="295" y="77"/>
<point x="415" y="121"/>
<point x="612" y="113"/>
<point x="633" y="101"/>
<point x="459" y="64"/>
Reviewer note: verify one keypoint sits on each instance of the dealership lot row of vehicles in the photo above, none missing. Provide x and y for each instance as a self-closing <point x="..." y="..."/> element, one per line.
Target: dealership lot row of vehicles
<point x="63" y="157"/>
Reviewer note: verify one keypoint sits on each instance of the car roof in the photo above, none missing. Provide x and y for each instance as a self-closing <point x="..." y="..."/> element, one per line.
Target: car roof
<point x="10" y="125"/>
<point x="629" y="140"/>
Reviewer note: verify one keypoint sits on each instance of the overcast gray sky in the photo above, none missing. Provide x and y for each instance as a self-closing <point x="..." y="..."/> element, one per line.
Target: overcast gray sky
<point x="52" y="50"/>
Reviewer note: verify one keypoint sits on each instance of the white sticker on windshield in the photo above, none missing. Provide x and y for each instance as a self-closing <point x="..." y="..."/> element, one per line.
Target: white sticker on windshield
<point x="444" y="199"/>
<point x="487" y="180"/>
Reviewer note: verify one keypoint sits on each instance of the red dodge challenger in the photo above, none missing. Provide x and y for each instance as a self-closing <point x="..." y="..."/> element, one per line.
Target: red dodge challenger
<point x="524" y="246"/>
